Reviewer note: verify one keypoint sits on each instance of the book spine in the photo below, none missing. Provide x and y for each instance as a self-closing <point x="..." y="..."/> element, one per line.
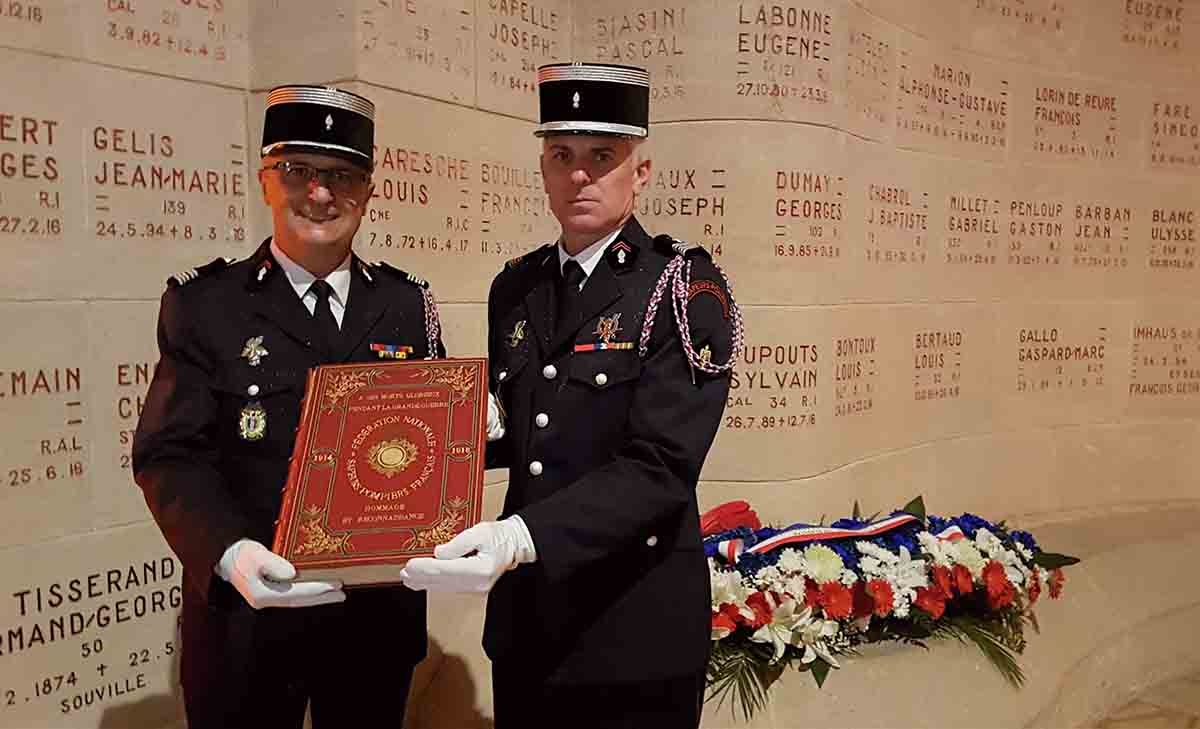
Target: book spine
<point x="291" y="487"/>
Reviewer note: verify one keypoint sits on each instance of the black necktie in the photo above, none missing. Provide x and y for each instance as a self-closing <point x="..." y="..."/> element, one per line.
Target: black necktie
<point x="568" y="290"/>
<point x="327" y="327"/>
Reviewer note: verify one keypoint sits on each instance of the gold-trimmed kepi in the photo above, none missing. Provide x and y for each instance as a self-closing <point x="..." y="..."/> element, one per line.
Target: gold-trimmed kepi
<point x="320" y="119"/>
<point x="593" y="98"/>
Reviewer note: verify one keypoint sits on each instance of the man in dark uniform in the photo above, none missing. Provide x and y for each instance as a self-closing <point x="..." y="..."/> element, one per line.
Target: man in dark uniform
<point x="610" y="354"/>
<point x="211" y="452"/>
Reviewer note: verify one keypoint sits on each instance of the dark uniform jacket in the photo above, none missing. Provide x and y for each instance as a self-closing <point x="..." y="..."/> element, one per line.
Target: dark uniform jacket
<point x="207" y="481"/>
<point x="605" y="446"/>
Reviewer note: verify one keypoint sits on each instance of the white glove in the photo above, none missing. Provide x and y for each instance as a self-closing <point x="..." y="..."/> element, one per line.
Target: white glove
<point x="495" y="424"/>
<point x="264" y="578"/>
<point x="498" y="546"/>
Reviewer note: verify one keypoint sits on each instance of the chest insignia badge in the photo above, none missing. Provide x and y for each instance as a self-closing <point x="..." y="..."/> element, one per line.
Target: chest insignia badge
<point x="254" y="351"/>
<point x="517" y="335"/>
<point x="608" y="328"/>
<point x="252" y="422"/>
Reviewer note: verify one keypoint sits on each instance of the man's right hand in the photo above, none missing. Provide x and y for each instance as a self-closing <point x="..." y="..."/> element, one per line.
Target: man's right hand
<point x="265" y="579"/>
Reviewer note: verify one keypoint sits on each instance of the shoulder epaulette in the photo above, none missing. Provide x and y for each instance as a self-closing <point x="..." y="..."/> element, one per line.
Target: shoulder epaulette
<point x="192" y="274"/>
<point x="527" y="257"/>
<point x="672" y="247"/>
<point x="399" y="273"/>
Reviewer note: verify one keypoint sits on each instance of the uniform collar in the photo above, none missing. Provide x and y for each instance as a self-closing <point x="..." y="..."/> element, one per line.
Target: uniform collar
<point x="589" y="257"/>
<point x="300" y="278"/>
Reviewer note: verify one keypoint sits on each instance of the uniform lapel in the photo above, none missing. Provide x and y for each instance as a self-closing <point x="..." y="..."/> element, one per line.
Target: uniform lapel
<point x="601" y="291"/>
<point x="539" y="302"/>
<point x="364" y="308"/>
<point x="274" y="299"/>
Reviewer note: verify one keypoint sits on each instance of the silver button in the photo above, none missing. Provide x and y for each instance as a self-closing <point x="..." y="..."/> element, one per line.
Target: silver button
<point x="502" y="375"/>
<point x="601" y="379"/>
<point x="651" y="541"/>
<point x="252" y="390"/>
<point x="542" y="420"/>
<point x="535" y="468"/>
<point x="549" y="372"/>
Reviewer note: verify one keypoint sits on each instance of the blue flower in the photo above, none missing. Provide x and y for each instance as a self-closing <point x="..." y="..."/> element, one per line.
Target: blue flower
<point x="1026" y="539"/>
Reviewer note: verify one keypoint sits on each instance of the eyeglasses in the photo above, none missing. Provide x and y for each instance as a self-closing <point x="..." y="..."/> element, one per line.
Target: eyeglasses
<point x="341" y="182"/>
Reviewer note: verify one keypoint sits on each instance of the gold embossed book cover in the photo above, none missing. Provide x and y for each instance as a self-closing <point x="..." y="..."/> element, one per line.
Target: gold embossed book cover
<point x="388" y="463"/>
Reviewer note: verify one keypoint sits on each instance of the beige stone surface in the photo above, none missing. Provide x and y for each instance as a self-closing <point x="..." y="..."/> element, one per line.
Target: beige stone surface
<point x="205" y="40"/>
<point x="122" y="352"/>
<point x="963" y="234"/>
<point x="41" y="179"/>
<point x="90" y="633"/>
<point x="165" y="184"/>
<point x="425" y="47"/>
<point x="513" y="38"/>
<point x="46" y="415"/>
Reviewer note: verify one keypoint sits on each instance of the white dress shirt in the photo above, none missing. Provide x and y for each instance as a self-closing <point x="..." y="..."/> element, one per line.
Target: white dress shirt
<point x="589" y="257"/>
<point x="301" y="279"/>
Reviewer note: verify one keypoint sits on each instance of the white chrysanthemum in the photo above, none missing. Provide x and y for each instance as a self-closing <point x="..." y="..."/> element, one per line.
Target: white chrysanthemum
<point x="903" y="573"/>
<point x="822" y="564"/>
<point x="1014" y="568"/>
<point x="849" y="578"/>
<point x="727" y="587"/>
<point x="795" y="586"/>
<point x="768" y="578"/>
<point x="791" y="561"/>
<point x="936" y="548"/>
<point x="964" y="552"/>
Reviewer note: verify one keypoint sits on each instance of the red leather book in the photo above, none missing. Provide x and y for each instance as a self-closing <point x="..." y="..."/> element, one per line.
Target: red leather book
<point x="388" y="463"/>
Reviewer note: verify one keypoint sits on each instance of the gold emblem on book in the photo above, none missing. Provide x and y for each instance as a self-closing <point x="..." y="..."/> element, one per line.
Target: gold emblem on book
<point x="316" y="539"/>
<point x="608" y="328"/>
<point x="344" y="384"/>
<point x="444" y="530"/>
<point x="390" y="457"/>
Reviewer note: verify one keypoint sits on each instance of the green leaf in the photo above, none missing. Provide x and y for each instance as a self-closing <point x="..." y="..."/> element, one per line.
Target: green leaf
<point x="1050" y="560"/>
<point x="916" y="507"/>
<point x="857" y="514"/>
<point x="742" y="673"/>
<point x="820" y="670"/>
<point x="991" y="645"/>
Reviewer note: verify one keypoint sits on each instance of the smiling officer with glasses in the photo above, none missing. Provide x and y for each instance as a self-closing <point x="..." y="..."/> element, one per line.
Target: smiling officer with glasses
<point x="211" y="452"/>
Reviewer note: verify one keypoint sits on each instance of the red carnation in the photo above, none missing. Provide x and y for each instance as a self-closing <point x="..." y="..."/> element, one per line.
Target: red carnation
<point x="763" y="606"/>
<point x="1033" y="587"/>
<point x="1000" y="592"/>
<point x="861" y="603"/>
<point x="721" y="621"/>
<point x="1057" y="578"/>
<point x="932" y="600"/>
<point x="836" y="600"/>
<point x="812" y="594"/>
<point x="962" y="580"/>
<point x="728" y="516"/>
<point x="943" y="579"/>
<point x="881" y="593"/>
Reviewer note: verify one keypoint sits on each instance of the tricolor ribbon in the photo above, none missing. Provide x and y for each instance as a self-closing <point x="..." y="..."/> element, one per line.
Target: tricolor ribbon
<point x="602" y="346"/>
<point x="733" y="549"/>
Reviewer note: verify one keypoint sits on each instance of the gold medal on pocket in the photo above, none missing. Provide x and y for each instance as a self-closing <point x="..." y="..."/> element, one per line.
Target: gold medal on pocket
<point x="252" y="423"/>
